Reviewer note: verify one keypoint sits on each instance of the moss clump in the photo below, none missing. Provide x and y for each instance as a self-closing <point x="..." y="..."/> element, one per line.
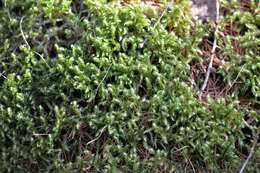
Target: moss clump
<point x="97" y="101"/>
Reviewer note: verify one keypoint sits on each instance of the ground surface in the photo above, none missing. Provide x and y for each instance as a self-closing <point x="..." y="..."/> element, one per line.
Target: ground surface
<point x="115" y="86"/>
<point x="204" y="9"/>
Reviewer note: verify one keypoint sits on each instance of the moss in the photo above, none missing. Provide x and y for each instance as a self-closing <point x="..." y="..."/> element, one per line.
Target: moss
<point x="83" y="95"/>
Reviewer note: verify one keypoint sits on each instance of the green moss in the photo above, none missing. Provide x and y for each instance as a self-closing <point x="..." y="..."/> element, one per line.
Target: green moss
<point x="97" y="101"/>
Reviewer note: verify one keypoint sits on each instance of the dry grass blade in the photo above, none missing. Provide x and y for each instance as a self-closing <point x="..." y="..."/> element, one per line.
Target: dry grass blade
<point x="212" y="52"/>
<point x="252" y="151"/>
<point x="27" y="44"/>
<point x="2" y="74"/>
<point x="141" y="45"/>
<point x="101" y="132"/>
<point x="100" y="83"/>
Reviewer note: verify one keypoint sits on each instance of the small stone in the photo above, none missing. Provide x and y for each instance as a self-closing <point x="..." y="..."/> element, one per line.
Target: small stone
<point x="204" y="9"/>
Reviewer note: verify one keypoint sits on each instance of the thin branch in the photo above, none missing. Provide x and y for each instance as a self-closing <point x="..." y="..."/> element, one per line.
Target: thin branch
<point x="141" y="45"/>
<point x="205" y="83"/>
<point x="21" y="29"/>
<point x="100" y="133"/>
<point x="2" y="74"/>
<point x="27" y="44"/>
<point x="192" y="166"/>
<point x="41" y="58"/>
<point x="160" y="18"/>
<point x="176" y="151"/>
<point x="103" y="79"/>
<point x="235" y="80"/>
<point x="240" y="71"/>
<point x="41" y="134"/>
<point x="252" y="151"/>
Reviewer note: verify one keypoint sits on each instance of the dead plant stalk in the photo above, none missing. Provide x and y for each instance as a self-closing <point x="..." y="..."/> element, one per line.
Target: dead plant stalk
<point x="205" y="83"/>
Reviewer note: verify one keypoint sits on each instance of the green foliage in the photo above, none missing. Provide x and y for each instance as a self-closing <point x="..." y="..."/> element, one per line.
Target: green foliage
<point x="102" y="102"/>
<point x="245" y="56"/>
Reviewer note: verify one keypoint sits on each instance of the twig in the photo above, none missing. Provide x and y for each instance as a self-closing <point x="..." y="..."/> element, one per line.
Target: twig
<point x="252" y="150"/>
<point x="21" y="29"/>
<point x="100" y="133"/>
<point x="236" y="77"/>
<point x="40" y="134"/>
<point x="2" y="74"/>
<point x="180" y="149"/>
<point x="192" y="166"/>
<point x="160" y="18"/>
<point x="141" y="45"/>
<point x="103" y="79"/>
<point x="205" y="83"/>
<point x="27" y="44"/>
<point x="232" y="84"/>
